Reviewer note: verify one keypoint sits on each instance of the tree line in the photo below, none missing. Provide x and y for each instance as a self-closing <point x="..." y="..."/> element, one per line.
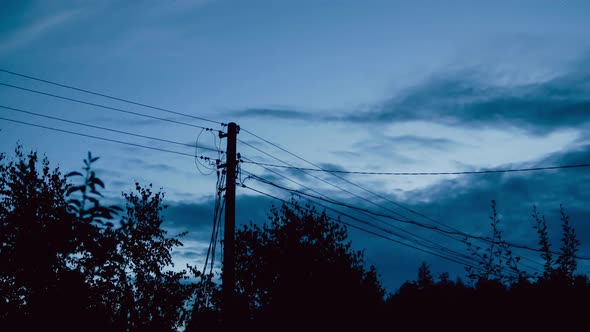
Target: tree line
<point x="70" y="262"/>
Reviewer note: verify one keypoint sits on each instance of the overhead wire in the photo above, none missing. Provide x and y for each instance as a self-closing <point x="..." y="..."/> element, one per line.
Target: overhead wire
<point x="372" y="213"/>
<point x="413" y="222"/>
<point x="417" y="238"/>
<point x="71" y="87"/>
<point x="369" y="231"/>
<point x="211" y="163"/>
<point x="99" y="138"/>
<point x="338" y="187"/>
<point x="448" y="234"/>
<point x="104" y="128"/>
<point x="319" y="179"/>
<point x="326" y="199"/>
<point x="101" y="106"/>
<point x="530" y="169"/>
<point x="349" y="182"/>
<point x="218" y="211"/>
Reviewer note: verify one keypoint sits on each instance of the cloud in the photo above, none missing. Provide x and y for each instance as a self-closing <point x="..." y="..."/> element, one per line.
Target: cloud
<point x="463" y="202"/>
<point x="198" y="217"/>
<point x="273" y="114"/>
<point x="422" y="142"/>
<point x="466" y="98"/>
<point x="36" y="30"/>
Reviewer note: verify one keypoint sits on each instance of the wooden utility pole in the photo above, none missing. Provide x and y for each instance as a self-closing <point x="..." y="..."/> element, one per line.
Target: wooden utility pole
<point x="228" y="277"/>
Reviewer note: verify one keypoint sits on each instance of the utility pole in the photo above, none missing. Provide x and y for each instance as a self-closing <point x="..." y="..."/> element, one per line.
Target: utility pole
<point x="228" y="277"/>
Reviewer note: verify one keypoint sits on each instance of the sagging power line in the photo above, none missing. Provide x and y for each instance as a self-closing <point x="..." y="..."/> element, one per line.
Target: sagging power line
<point x="101" y="106"/>
<point x="106" y="129"/>
<point x="368" y="231"/>
<point x="488" y="171"/>
<point x="103" y="138"/>
<point x="104" y="95"/>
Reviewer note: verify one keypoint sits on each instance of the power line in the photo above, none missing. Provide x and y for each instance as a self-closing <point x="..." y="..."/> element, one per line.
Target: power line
<point x="319" y="179"/>
<point x="369" y="231"/>
<point x="101" y="106"/>
<point x="530" y="169"/>
<point x="103" y="138"/>
<point x="347" y="181"/>
<point x="105" y="128"/>
<point x="413" y="222"/>
<point x="354" y="184"/>
<point x="71" y="87"/>
<point x="422" y="242"/>
<point x="447" y="234"/>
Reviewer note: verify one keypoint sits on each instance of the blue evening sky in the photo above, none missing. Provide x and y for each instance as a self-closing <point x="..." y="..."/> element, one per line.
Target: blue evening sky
<point x="404" y="86"/>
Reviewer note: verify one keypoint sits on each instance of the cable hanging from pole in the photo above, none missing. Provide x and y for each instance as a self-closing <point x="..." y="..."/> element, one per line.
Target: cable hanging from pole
<point x="255" y="177"/>
<point x="100" y="106"/>
<point x="418" y="240"/>
<point x="100" y="138"/>
<point x="369" y="231"/>
<point x="488" y="171"/>
<point x="349" y="182"/>
<point x="108" y="129"/>
<point x="71" y="87"/>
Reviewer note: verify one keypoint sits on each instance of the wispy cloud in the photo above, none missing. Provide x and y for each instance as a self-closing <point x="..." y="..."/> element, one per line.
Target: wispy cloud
<point x="422" y="142"/>
<point x="273" y="113"/>
<point x="30" y="33"/>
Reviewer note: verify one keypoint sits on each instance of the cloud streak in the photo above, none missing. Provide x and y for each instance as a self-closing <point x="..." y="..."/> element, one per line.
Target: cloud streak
<point x="272" y="113"/>
<point x="33" y="32"/>
<point x="421" y="142"/>
<point x="464" y="99"/>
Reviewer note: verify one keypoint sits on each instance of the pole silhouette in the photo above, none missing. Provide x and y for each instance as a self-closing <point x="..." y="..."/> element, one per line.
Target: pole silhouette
<point x="228" y="277"/>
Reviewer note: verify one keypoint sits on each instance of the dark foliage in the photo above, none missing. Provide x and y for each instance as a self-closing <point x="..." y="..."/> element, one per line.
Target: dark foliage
<point x="298" y="272"/>
<point x="65" y="266"/>
<point x="70" y="263"/>
<point x="500" y="299"/>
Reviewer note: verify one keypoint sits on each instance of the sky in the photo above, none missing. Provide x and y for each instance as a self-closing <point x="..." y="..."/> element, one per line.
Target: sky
<point x="377" y="86"/>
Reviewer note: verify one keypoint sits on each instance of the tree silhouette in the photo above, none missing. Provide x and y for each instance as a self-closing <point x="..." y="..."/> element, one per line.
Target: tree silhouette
<point x="544" y="243"/>
<point x="65" y="266"/>
<point x="41" y="243"/>
<point x="566" y="262"/>
<point x="152" y="298"/>
<point x="425" y="279"/>
<point x="496" y="263"/>
<point x="298" y="271"/>
<point x="68" y="262"/>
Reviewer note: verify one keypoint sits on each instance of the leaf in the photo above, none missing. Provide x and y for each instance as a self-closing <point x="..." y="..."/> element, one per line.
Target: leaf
<point x="73" y="174"/>
<point x="74" y="202"/>
<point x="98" y="182"/>
<point x="94" y="159"/>
<point x="81" y="188"/>
<point x="96" y="193"/>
